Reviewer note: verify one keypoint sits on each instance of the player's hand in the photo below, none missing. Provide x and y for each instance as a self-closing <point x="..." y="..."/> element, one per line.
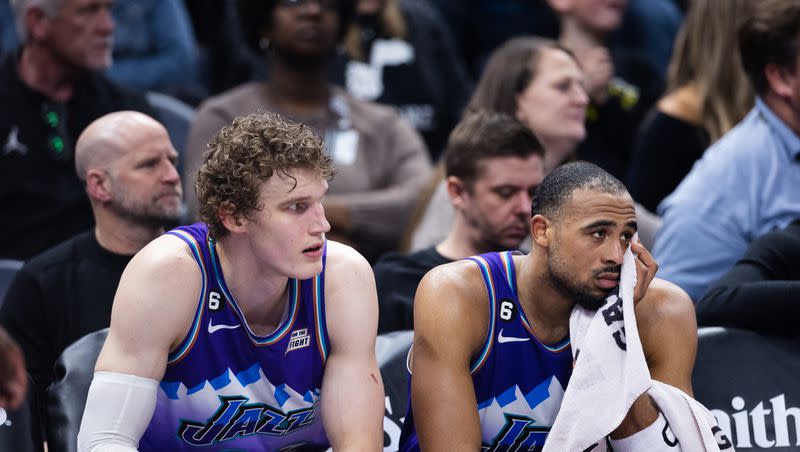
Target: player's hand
<point x="646" y="268"/>
<point x="13" y="380"/>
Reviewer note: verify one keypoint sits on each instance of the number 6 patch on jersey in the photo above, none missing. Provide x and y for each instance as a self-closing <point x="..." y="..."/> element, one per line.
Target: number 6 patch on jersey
<point x="508" y="309"/>
<point x="214" y="303"/>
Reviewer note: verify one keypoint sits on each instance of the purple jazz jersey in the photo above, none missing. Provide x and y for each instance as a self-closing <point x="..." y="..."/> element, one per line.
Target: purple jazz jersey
<point x="226" y="388"/>
<point x="519" y="382"/>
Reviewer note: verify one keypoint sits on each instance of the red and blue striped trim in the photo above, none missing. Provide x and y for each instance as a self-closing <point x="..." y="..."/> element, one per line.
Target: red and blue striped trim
<point x="188" y="342"/>
<point x="319" y="318"/>
<point x="487" y="280"/>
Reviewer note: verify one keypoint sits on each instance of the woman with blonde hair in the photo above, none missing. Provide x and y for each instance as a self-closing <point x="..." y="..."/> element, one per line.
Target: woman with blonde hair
<point x="707" y="94"/>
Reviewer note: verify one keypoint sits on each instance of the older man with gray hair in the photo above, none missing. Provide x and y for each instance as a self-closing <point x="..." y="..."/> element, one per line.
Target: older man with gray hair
<point x="127" y="164"/>
<point x="50" y="90"/>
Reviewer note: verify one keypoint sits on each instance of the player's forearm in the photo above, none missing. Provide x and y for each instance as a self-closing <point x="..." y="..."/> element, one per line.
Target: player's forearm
<point x="363" y="434"/>
<point x="118" y="410"/>
<point x="642" y="414"/>
<point x="352" y="405"/>
<point x="358" y="444"/>
<point x="644" y="428"/>
<point x="358" y="425"/>
<point x="450" y="441"/>
<point x="445" y="420"/>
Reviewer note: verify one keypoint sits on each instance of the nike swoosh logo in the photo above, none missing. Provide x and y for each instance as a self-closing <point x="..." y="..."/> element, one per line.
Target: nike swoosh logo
<point x="503" y="339"/>
<point x="213" y="328"/>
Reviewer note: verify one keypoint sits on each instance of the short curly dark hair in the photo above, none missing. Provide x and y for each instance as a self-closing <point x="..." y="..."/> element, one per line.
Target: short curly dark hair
<point x="557" y="187"/>
<point x="246" y="153"/>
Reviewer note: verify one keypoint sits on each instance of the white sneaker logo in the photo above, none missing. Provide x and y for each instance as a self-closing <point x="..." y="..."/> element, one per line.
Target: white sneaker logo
<point x="213" y="328"/>
<point x="503" y="339"/>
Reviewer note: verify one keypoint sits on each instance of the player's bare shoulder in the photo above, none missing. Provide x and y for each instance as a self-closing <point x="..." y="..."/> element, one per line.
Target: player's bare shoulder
<point x="456" y="284"/>
<point x="164" y="270"/>
<point x="348" y="276"/>
<point x="351" y="301"/>
<point x="668" y="330"/>
<point x="665" y="303"/>
<point x="164" y="251"/>
<point x="452" y="298"/>
<point x="342" y="259"/>
<point x="346" y="270"/>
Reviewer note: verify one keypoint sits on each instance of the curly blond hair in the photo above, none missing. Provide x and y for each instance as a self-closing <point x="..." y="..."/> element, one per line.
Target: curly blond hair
<point x="246" y="153"/>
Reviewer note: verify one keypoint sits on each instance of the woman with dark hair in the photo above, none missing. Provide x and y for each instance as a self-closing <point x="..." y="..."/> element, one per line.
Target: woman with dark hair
<point x="381" y="161"/>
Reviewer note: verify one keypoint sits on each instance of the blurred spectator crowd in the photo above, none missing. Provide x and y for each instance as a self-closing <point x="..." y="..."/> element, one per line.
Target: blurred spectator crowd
<point x="692" y="104"/>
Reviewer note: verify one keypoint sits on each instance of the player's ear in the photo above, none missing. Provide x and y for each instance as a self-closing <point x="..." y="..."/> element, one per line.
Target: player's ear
<point x="541" y="230"/>
<point x="456" y="190"/>
<point x="229" y="217"/>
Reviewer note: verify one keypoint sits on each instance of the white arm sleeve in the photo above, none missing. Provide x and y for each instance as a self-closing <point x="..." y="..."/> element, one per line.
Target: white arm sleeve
<point x="658" y="437"/>
<point x="118" y="409"/>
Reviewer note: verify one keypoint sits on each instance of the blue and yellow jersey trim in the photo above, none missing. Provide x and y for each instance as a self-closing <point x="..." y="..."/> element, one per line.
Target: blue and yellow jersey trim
<point x="486" y="273"/>
<point x="188" y="342"/>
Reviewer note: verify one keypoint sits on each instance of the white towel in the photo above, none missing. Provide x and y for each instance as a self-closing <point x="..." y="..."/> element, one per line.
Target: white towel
<point x="611" y="373"/>
<point x="694" y="426"/>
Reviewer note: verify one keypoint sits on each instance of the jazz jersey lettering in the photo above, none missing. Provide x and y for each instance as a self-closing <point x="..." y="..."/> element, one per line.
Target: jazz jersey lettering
<point x="519" y="382"/>
<point x="226" y="388"/>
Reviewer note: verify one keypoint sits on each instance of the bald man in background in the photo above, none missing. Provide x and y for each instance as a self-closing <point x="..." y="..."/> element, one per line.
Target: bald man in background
<point x="127" y="164"/>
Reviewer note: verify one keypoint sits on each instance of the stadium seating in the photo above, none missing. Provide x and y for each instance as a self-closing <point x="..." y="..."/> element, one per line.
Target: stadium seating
<point x="8" y="268"/>
<point x="750" y="382"/>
